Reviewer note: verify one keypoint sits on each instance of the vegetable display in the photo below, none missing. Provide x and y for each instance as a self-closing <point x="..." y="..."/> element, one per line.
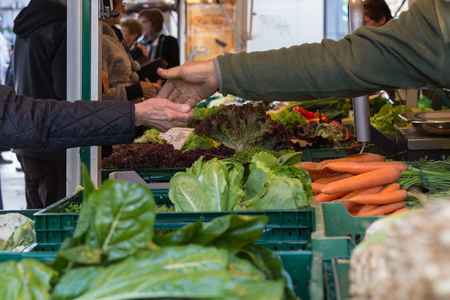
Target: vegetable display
<point x="219" y="185"/>
<point x="244" y="127"/>
<point x="387" y="117"/>
<point x="365" y="183"/>
<point x="114" y="255"/>
<point x="148" y="156"/>
<point x="16" y="232"/>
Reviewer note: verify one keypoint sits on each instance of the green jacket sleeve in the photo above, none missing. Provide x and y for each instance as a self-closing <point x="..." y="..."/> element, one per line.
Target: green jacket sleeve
<point x="413" y="51"/>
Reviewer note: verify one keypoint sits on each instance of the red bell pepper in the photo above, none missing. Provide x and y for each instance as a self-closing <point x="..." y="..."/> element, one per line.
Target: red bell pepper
<point x="304" y="112"/>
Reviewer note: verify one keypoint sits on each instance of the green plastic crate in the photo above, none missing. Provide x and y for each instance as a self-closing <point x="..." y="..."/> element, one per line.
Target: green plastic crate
<point x="305" y="269"/>
<point x="149" y="175"/>
<point x="336" y="231"/>
<point x="318" y="155"/>
<point x="43" y="254"/>
<point x="53" y="225"/>
<point x="340" y="269"/>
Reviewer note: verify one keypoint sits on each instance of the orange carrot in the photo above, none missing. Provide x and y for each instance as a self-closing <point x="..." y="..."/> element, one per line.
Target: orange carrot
<point x="356" y="208"/>
<point x="325" y="180"/>
<point x="385" y="209"/>
<point x="317" y="188"/>
<point x="364" y="167"/>
<point x="391" y="187"/>
<point x="362" y="157"/>
<point x="327" y="198"/>
<point x="307" y="165"/>
<point x="310" y="167"/>
<point x="361" y="181"/>
<point x="381" y="198"/>
<point x="400" y="210"/>
<point x="354" y="213"/>
<point x="366" y="208"/>
<point x="371" y="190"/>
<point x="352" y="206"/>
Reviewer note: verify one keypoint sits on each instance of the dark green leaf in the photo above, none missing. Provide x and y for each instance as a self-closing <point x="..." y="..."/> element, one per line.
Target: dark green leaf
<point x="123" y="218"/>
<point x="86" y="181"/>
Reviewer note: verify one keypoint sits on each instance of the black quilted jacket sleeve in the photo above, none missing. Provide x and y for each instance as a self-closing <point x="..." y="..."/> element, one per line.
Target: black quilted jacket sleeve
<point x="48" y="125"/>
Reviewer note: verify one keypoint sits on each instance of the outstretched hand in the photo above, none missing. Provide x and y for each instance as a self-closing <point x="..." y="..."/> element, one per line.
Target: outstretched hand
<point x="161" y="114"/>
<point x="189" y="83"/>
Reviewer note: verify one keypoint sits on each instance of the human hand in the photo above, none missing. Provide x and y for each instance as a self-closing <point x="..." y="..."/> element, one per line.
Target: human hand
<point x="162" y="114"/>
<point x="189" y="83"/>
<point x="143" y="48"/>
<point x="149" y="89"/>
<point x="105" y="81"/>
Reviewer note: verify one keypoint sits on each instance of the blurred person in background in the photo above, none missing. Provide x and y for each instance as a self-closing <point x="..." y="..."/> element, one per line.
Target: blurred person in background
<point x="40" y="71"/>
<point x="158" y="44"/>
<point x="120" y="68"/>
<point x="132" y="29"/>
<point x="376" y="13"/>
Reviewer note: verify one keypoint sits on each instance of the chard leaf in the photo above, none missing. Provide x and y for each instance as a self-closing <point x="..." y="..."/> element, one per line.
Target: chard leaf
<point x="172" y="272"/>
<point x="27" y="279"/>
<point x="271" y="264"/>
<point x="88" y="186"/>
<point x="82" y="254"/>
<point x="186" y="192"/>
<point x="123" y="218"/>
<point x="229" y="231"/>
<point x="75" y="283"/>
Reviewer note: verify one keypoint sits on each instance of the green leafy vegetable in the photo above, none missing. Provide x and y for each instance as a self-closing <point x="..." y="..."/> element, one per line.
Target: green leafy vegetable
<point x="229" y="231"/>
<point x="272" y="184"/>
<point x="289" y="118"/>
<point x="210" y="186"/>
<point x="150" y="136"/>
<point x="28" y="279"/>
<point x="198" y="141"/>
<point x="387" y="117"/>
<point x="22" y="235"/>
<point x="244" y="127"/>
<point x="247" y="155"/>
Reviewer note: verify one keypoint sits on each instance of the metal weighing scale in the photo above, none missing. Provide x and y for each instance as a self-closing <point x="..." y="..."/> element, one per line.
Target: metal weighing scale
<point x="429" y="136"/>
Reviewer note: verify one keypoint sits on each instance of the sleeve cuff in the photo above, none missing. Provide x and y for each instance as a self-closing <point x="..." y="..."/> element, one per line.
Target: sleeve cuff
<point x="134" y="91"/>
<point x="218" y="73"/>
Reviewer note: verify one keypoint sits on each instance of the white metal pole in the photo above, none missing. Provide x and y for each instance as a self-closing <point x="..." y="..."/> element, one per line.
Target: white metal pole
<point x="96" y="89"/>
<point x="73" y="85"/>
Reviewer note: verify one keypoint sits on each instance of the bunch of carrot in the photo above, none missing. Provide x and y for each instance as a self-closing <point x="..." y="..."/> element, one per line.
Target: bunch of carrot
<point x="365" y="183"/>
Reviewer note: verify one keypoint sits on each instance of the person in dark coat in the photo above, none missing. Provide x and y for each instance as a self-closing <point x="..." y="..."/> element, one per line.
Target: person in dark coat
<point x="40" y="59"/>
<point x="158" y="44"/>
<point x="51" y="125"/>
